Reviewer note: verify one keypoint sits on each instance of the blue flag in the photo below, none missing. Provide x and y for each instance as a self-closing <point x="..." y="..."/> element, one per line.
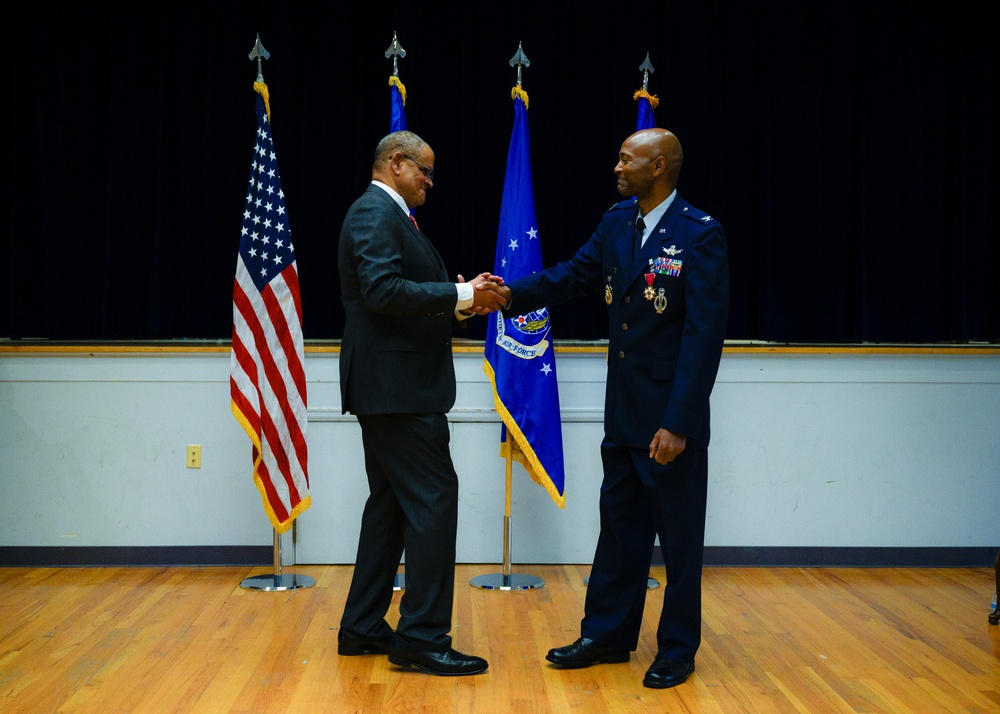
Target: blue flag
<point x="397" y="102"/>
<point x="520" y="360"/>
<point x="647" y="103"/>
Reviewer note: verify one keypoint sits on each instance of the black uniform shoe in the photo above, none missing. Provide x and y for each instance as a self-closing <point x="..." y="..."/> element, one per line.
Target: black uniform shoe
<point x="449" y="663"/>
<point x="586" y="653"/>
<point x="349" y="644"/>
<point x="665" y="673"/>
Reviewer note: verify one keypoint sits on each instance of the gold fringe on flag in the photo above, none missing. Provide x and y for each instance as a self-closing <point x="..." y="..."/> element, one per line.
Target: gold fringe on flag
<point x="653" y="101"/>
<point x="518" y="92"/>
<point x="519" y="447"/>
<point x="261" y="89"/>
<point x="399" y="85"/>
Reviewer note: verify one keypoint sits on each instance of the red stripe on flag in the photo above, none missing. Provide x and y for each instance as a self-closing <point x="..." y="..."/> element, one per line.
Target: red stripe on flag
<point x="272" y="497"/>
<point x="259" y="419"/>
<point x="277" y="385"/>
<point x="291" y="357"/>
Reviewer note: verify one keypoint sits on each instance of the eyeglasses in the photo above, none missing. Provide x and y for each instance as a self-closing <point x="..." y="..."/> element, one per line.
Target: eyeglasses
<point x="427" y="170"/>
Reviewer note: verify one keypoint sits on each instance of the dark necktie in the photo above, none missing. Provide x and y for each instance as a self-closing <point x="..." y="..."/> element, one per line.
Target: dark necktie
<point x="640" y="227"/>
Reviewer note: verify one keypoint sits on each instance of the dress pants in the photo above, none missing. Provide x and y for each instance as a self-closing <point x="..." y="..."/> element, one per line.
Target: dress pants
<point x="413" y="505"/>
<point x="639" y="499"/>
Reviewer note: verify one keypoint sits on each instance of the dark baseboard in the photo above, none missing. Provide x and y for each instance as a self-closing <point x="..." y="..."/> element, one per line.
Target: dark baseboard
<point x="258" y="555"/>
<point x="832" y="557"/>
<point x="148" y="556"/>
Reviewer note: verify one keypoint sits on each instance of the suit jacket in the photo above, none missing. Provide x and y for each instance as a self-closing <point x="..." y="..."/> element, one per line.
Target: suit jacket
<point x="661" y="365"/>
<point x="396" y="353"/>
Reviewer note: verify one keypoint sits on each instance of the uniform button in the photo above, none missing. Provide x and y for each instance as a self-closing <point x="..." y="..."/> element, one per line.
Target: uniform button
<point x="621" y="355"/>
<point x="627" y="299"/>
<point x="624" y="326"/>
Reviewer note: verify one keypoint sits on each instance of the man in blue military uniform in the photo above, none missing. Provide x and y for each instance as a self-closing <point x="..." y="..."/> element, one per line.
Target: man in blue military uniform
<point x="660" y="265"/>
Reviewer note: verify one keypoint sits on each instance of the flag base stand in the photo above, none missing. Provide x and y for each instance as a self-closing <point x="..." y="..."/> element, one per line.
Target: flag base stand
<point x="507" y="580"/>
<point x="271" y="583"/>
<point x="277" y="581"/>
<point x="514" y="581"/>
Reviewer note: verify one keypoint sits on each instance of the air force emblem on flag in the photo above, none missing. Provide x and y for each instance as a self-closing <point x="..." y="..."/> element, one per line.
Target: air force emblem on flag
<point x="524" y="336"/>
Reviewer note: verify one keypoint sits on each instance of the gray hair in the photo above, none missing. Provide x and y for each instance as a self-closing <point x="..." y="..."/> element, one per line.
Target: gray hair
<point x="405" y="141"/>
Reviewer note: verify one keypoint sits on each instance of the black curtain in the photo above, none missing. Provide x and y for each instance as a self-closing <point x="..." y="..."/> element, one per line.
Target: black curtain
<point x="849" y="149"/>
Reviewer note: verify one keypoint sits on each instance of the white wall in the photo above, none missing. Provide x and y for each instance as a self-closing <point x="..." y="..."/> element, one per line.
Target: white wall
<point x="809" y="449"/>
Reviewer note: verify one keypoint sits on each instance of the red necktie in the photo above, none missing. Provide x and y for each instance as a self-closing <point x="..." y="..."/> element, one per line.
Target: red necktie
<point x="414" y="222"/>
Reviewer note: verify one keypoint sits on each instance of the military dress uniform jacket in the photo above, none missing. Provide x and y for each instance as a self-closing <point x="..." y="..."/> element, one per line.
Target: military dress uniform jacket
<point x="396" y="353"/>
<point x="663" y="353"/>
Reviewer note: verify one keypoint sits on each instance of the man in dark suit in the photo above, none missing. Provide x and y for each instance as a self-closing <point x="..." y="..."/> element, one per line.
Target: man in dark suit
<point x="660" y="265"/>
<point x="398" y="378"/>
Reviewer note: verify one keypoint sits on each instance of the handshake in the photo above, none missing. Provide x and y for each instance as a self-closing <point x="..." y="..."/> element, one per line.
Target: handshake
<point x="489" y="294"/>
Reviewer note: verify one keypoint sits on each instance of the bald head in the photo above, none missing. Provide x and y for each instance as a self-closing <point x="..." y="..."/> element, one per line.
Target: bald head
<point x="660" y="142"/>
<point x="649" y="165"/>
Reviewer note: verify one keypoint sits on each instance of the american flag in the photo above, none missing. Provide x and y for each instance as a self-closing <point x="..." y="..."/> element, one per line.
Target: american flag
<point x="267" y="378"/>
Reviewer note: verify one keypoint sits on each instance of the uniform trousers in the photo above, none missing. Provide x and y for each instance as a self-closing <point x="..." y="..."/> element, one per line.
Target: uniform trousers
<point x="639" y="500"/>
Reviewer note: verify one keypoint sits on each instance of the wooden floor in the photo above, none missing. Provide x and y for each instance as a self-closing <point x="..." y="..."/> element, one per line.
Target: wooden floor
<point x="116" y="640"/>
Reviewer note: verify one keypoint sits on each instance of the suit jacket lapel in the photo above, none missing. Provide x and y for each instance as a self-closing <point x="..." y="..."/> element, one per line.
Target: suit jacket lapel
<point x="422" y="240"/>
<point x="411" y="228"/>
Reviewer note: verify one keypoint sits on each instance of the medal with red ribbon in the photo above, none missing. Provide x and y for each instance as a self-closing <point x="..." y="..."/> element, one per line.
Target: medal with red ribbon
<point x="649" y="293"/>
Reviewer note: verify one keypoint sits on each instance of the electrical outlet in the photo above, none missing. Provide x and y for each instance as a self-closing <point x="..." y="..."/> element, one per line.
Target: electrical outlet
<point x="194" y="456"/>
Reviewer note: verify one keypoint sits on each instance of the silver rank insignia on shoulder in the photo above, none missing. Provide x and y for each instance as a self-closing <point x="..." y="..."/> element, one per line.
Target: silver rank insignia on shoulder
<point x="706" y="218"/>
<point x="673" y="250"/>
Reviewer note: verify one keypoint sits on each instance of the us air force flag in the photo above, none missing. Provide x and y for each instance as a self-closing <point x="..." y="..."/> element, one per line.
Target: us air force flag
<point x="520" y="361"/>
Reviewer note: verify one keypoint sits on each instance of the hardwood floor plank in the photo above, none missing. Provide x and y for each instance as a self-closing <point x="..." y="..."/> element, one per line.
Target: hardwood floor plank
<point x="774" y="640"/>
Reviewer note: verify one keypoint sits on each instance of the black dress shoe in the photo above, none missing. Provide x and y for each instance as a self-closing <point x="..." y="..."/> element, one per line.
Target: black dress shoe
<point x="586" y="653"/>
<point x="349" y="644"/>
<point x="665" y="673"/>
<point x="449" y="663"/>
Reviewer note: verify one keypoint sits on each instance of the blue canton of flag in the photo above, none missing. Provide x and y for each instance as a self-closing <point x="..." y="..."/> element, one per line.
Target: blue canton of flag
<point x="267" y="373"/>
<point x="265" y="241"/>
<point x="520" y="360"/>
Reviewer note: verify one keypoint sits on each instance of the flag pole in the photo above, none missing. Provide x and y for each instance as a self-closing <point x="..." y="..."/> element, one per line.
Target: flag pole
<point x="276" y="580"/>
<point x="507" y="580"/>
<point x="509" y="467"/>
<point x="397" y="122"/>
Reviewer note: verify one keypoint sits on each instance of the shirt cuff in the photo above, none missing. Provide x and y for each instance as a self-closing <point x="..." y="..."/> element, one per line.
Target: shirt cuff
<point x="465" y="295"/>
